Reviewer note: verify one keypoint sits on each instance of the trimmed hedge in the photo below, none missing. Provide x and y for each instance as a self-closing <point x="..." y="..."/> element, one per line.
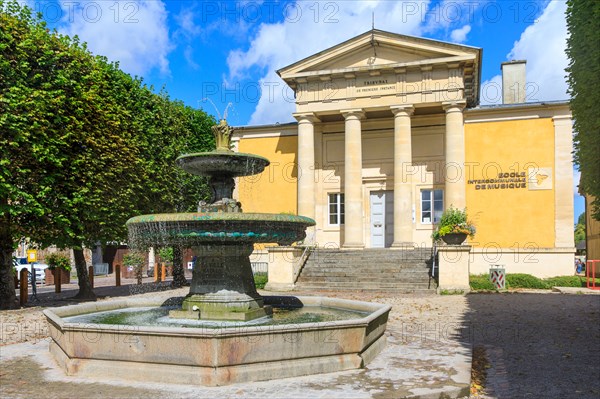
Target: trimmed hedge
<point x="481" y="282"/>
<point x="521" y="280"/>
<point x="260" y="280"/>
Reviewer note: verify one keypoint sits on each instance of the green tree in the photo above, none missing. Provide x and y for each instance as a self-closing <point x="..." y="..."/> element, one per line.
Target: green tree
<point x="84" y="146"/>
<point x="581" y="218"/>
<point x="580" y="229"/>
<point x="583" y="49"/>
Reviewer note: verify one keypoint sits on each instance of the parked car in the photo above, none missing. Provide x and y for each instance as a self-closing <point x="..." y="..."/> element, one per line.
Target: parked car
<point x="20" y="263"/>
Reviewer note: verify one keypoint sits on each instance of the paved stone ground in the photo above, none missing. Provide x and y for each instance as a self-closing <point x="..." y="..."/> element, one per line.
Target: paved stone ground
<point x="421" y="359"/>
<point x="538" y="345"/>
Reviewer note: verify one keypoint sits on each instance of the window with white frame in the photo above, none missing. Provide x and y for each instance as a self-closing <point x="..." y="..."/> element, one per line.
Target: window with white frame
<point x="336" y="209"/>
<point x="432" y="206"/>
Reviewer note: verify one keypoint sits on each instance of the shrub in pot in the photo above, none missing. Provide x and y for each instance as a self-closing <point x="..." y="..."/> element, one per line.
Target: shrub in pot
<point x="58" y="263"/>
<point x="136" y="261"/>
<point x="454" y="227"/>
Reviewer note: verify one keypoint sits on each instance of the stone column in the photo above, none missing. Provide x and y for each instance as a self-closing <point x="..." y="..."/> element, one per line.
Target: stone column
<point x="455" y="155"/>
<point x="306" y="169"/>
<point x="353" y="201"/>
<point x="403" y="226"/>
<point x="563" y="181"/>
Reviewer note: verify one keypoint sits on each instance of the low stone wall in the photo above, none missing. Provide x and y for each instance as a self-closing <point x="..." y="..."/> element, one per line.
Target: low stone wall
<point x="283" y="267"/>
<point x="539" y="262"/>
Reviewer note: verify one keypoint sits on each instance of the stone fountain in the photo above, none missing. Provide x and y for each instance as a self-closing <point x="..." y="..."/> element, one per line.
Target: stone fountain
<point x="249" y="344"/>
<point x="221" y="234"/>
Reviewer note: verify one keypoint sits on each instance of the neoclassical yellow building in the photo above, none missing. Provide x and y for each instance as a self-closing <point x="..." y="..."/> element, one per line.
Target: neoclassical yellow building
<point x="390" y="133"/>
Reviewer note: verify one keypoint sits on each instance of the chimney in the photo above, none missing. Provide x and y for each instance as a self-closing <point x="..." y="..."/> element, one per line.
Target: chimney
<point x="513" y="82"/>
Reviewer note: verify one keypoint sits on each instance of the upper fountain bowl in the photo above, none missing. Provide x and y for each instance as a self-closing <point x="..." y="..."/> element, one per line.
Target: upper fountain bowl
<point x="204" y="228"/>
<point x="224" y="163"/>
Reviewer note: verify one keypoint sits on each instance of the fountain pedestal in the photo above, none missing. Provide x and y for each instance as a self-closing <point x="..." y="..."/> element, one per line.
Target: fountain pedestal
<point x="222" y="286"/>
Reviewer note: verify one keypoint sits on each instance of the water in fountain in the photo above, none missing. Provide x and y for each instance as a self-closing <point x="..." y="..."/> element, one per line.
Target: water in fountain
<point x="221" y="235"/>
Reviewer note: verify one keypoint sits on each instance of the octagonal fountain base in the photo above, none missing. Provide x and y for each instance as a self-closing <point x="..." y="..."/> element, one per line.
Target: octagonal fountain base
<point x="216" y="356"/>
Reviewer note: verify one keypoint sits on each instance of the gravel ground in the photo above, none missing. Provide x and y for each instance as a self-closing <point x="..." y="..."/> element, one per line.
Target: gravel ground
<point x="534" y="345"/>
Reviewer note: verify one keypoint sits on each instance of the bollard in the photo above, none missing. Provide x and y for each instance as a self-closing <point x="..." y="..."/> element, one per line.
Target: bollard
<point x="163" y="272"/>
<point x="118" y="275"/>
<point x="16" y="276"/>
<point x="57" y="279"/>
<point x="91" y="275"/>
<point x="156" y="275"/>
<point x="23" y="292"/>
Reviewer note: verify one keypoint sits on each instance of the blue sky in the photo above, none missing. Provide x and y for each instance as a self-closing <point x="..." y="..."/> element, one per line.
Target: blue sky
<point x="228" y="51"/>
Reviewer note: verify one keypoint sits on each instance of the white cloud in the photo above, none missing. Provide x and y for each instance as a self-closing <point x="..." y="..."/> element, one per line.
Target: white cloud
<point x="491" y="91"/>
<point x="460" y="35"/>
<point x="187" y="26"/>
<point x="576" y="178"/>
<point x="543" y="45"/>
<point x="188" y="54"/>
<point x="307" y="32"/>
<point x="133" y="33"/>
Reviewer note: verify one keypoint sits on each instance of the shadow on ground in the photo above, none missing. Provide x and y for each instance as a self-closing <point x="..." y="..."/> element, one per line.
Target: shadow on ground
<point x="537" y="345"/>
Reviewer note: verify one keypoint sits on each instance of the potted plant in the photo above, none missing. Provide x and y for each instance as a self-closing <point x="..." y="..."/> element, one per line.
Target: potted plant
<point x="134" y="261"/>
<point x="454" y="227"/>
<point x="58" y="263"/>
<point x="165" y="256"/>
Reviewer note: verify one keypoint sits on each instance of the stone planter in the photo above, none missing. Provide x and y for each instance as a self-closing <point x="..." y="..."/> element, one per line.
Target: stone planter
<point x="65" y="277"/>
<point x="127" y="271"/>
<point x="454" y="238"/>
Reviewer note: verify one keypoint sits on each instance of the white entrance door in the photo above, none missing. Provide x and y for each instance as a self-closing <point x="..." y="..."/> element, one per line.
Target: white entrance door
<point x="382" y="219"/>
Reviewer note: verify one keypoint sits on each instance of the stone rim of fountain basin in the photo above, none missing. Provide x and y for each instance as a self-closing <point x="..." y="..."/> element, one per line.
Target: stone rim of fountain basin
<point x="215" y="357"/>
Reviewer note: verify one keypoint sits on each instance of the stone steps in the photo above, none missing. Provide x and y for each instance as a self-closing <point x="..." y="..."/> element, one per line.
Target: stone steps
<point x="399" y="288"/>
<point x="402" y="271"/>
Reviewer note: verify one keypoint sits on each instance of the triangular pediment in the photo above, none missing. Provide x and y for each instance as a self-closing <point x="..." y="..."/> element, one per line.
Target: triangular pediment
<point x="372" y="56"/>
<point x="393" y="58"/>
<point x="378" y="49"/>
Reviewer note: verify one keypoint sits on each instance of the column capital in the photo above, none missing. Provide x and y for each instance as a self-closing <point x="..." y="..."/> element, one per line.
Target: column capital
<point x="402" y="110"/>
<point x="306" y="117"/>
<point x="450" y="106"/>
<point x="358" y="113"/>
<point x="562" y="120"/>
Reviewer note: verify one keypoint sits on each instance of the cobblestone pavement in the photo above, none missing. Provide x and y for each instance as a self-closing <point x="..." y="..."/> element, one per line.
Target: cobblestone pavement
<point x="537" y="345"/>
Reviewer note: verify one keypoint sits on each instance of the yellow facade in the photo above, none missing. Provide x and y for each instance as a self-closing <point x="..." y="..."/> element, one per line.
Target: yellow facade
<point x="401" y="126"/>
<point x="510" y="217"/>
<point x="274" y="190"/>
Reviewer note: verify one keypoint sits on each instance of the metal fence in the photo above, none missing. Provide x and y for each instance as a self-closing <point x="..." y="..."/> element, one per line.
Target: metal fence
<point x="259" y="267"/>
<point x="100" y="269"/>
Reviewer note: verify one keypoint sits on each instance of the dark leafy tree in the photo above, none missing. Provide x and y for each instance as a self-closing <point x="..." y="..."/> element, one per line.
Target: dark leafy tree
<point x="583" y="49"/>
<point x="84" y="146"/>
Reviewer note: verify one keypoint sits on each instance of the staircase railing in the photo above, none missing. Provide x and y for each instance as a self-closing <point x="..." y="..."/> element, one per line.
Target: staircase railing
<point x="435" y="252"/>
<point x="301" y="261"/>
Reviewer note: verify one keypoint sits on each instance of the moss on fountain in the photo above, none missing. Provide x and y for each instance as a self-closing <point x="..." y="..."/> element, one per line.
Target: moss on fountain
<point x="192" y="229"/>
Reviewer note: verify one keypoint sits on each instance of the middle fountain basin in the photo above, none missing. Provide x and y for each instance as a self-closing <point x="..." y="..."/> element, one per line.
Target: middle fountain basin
<point x="216" y="356"/>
